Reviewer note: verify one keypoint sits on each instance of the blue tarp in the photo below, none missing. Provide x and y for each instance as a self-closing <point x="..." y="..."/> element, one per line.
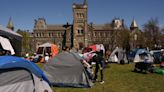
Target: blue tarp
<point x="7" y="62"/>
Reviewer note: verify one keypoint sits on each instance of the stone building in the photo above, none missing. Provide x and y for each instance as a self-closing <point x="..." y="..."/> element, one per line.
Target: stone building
<point x="79" y="34"/>
<point x="136" y="38"/>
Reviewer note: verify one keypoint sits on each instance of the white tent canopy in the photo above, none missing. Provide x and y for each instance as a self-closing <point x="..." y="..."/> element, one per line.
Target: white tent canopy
<point x="118" y="55"/>
<point x="6" y="45"/>
<point x="45" y="45"/>
<point x="147" y="56"/>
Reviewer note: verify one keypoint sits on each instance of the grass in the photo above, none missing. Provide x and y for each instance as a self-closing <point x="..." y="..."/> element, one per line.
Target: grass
<point x="120" y="78"/>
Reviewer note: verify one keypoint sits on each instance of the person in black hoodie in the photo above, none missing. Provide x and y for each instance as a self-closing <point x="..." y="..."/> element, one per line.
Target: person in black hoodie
<point x="100" y="63"/>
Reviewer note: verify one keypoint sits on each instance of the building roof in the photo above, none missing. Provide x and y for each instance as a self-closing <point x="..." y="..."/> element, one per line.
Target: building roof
<point x="101" y="27"/>
<point x="55" y="27"/>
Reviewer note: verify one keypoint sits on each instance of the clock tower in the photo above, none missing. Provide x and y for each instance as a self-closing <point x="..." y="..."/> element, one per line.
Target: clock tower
<point x="80" y="26"/>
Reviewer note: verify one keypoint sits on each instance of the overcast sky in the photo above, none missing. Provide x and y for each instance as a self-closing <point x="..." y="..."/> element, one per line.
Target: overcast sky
<point x="23" y="12"/>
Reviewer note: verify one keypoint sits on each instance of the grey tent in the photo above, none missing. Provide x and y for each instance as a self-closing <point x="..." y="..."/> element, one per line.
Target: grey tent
<point x="21" y="80"/>
<point x="20" y="75"/>
<point x="118" y="55"/>
<point x="66" y="70"/>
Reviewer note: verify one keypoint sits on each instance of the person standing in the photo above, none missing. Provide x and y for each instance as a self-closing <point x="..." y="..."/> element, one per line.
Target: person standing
<point x="100" y="63"/>
<point x="46" y="57"/>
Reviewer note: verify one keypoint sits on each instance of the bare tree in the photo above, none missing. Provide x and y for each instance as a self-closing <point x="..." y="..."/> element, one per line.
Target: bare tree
<point x="118" y="37"/>
<point x="151" y="33"/>
<point x="162" y="37"/>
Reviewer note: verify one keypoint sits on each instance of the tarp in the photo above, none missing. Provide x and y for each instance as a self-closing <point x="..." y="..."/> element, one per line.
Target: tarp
<point x="97" y="47"/>
<point x="5" y="43"/>
<point x="159" y="71"/>
<point x="66" y="70"/>
<point x="93" y="47"/>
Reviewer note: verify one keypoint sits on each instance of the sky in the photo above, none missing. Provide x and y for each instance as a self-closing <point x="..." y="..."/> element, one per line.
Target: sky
<point x="24" y="12"/>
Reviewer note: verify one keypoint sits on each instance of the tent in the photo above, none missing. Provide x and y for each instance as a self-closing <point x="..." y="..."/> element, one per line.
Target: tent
<point x="20" y="75"/>
<point x="6" y="45"/>
<point x="97" y="47"/>
<point x="118" y="55"/>
<point x="141" y="55"/>
<point x="48" y="48"/>
<point x="14" y="38"/>
<point x="66" y="70"/>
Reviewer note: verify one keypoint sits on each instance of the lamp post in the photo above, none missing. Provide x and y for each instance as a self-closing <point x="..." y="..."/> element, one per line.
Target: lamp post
<point x="65" y="38"/>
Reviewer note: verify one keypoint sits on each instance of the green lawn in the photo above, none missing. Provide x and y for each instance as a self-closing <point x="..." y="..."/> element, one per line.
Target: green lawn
<point x="120" y="78"/>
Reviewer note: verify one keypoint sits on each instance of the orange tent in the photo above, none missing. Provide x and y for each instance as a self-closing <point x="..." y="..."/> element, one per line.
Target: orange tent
<point x="54" y="50"/>
<point x="51" y="49"/>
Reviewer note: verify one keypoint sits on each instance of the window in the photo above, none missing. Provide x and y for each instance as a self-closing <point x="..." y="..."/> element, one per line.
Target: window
<point x="37" y="35"/>
<point x="42" y="34"/>
<point x="99" y="34"/>
<point x="94" y="35"/>
<point x="50" y="34"/>
<point x="80" y="15"/>
<point x="80" y="30"/>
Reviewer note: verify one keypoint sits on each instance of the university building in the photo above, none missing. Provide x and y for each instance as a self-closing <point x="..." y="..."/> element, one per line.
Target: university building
<point x="79" y="34"/>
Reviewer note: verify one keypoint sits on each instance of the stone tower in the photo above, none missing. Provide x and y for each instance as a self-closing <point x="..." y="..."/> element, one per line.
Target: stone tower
<point x="135" y="35"/>
<point x="10" y="24"/>
<point x="80" y="26"/>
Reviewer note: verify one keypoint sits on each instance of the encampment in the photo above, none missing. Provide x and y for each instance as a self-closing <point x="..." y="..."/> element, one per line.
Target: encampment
<point x="48" y="48"/>
<point x="66" y="70"/>
<point x="20" y="75"/>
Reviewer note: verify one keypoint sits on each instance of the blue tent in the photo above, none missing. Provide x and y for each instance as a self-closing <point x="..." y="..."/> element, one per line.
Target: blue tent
<point x="8" y="62"/>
